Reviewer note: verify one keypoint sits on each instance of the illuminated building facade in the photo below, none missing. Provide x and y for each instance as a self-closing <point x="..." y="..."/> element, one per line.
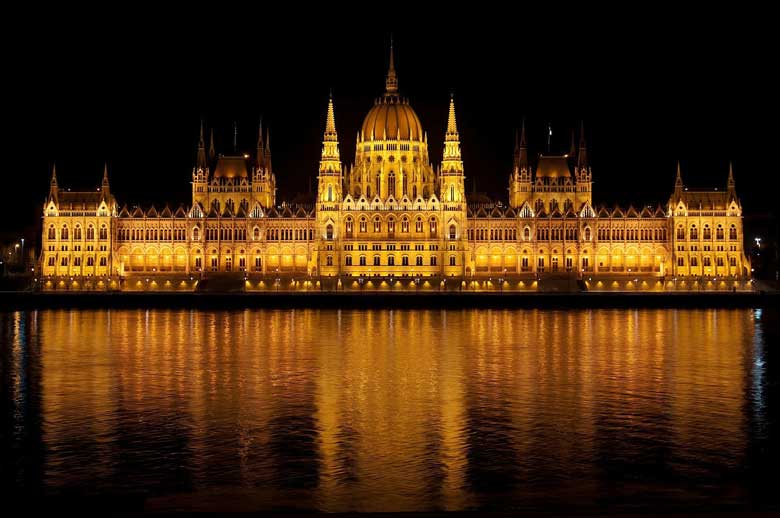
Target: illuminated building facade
<point x="392" y="219"/>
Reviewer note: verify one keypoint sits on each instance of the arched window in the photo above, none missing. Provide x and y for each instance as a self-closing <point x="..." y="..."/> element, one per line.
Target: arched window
<point x="452" y="193"/>
<point x="377" y="224"/>
<point x="391" y="226"/>
<point x="694" y="232"/>
<point x="526" y="234"/>
<point x="680" y="232"/>
<point x="256" y="234"/>
<point x="418" y="225"/>
<point x="733" y="232"/>
<point x="719" y="233"/>
<point x="404" y="224"/>
<point x="103" y="232"/>
<point x="196" y="234"/>
<point x="433" y="227"/>
<point x="348" y="227"/>
<point x="587" y="233"/>
<point x="90" y="233"/>
<point x="363" y="225"/>
<point x="452" y="231"/>
<point x="329" y="232"/>
<point x="330" y="193"/>
<point x="391" y="184"/>
<point x="52" y="232"/>
<point x="64" y="233"/>
<point x="77" y="233"/>
<point x="707" y="232"/>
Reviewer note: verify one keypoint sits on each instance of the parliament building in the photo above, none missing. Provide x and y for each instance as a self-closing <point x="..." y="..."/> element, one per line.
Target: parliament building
<point x="391" y="220"/>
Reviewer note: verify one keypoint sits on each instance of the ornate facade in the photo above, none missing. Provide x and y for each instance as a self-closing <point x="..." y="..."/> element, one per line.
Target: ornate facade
<point x="391" y="220"/>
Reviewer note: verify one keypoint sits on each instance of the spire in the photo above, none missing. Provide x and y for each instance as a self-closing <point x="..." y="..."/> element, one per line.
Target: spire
<point x="268" y="149"/>
<point x="235" y="136"/>
<point x="452" y="128"/>
<point x="582" y="159"/>
<point x="53" y="189"/>
<point x="678" y="183"/>
<point x="212" y="151"/>
<point x="201" y="160"/>
<point x="391" y="83"/>
<point x="260" y="158"/>
<point x="105" y="176"/>
<point x="731" y="185"/>
<point x="330" y="122"/>
<point x="521" y="150"/>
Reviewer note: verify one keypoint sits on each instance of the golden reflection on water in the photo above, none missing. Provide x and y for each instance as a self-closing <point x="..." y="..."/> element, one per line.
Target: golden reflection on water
<point x="385" y="410"/>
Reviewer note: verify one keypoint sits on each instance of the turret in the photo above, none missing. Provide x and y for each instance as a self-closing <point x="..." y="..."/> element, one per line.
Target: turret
<point x="451" y="170"/>
<point x="330" y="180"/>
<point x="520" y="178"/>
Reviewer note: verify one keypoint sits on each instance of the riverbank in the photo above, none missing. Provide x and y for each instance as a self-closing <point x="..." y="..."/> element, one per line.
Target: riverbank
<point x="335" y="300"/>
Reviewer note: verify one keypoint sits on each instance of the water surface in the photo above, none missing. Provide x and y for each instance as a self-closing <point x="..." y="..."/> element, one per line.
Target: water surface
<point x="388" y="410"/>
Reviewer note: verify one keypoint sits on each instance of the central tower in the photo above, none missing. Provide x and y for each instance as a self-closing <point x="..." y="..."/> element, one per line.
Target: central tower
<point x="391" y="156"/>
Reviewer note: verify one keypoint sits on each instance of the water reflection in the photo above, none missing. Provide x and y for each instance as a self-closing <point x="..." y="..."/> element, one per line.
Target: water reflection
<point x="388" y="410"/>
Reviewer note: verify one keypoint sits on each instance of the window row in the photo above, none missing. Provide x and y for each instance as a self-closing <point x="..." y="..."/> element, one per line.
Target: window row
<point x="77" y="235"/>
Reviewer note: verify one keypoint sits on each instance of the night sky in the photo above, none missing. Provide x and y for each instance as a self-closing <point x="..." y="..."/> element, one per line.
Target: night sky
<point x="130" y="88"/>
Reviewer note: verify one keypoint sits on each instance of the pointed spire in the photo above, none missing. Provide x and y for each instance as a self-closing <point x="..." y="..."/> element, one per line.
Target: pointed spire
<point x="330" y="122"/>
<point x="582" y="158"/>
<point x="201" y="159"/>
<point x="452" y="127"/>
<point x="53" y="189"/>
<point x="54" y="175"/>
<point x="260" y="158"/>
<point x="391" y="83"/>
<point x="104" y="187"/>
<point x="731" y="184"/>
<point x="521" y="150"/>
<point x="678" y="183"/>
<point x="212" y="150"/>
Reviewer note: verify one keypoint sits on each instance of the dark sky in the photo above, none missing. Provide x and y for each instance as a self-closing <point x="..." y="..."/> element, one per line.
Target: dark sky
<point x="129" y="87"/>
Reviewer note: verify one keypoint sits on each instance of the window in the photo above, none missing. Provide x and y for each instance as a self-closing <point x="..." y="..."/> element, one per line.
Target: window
<point x="330" y="193"/>
<point x="433" y="260"/>
<point x="404" y="225"/>
<point x="198" y="263"/>
<point x="587" y="233"/>
<point x="103" y="232"/>
<point x="64" y="233"/>
<point x="419" y="260"/>
<point x="242" y="263"/>
<point x="527" y="234"/>
<point x="732" y="232"/>
<point x="452" y="231"/>
<point x="405" y="261"/>
<point x="452" y="260"/>
<point x="391" y="226"/>
<point x="377" y="261"/>
<point x="51" y="260"/>
<point x="329" y="233"/>
<point x="680" y="261"/>
<point x="732" y="261"/>
<point x="363" y="225"/>
<point x="348" y="260"/>
<point x="102" y="261"/>
<point x="258" y="263"/>
<point x="540" y="264"/>
<point x="213" y="264"/>
<point x="391" y="184"/>
<point x="694" y="261"/>
<point x="64" y="261"/>
<point x="348" y="227"/>
<point x="707" y="232"/>
<point x="680" y="232"/>
<point x="77" y="233"/>
<point x="719" y="233"/>
<point x="196" y="234"/>
<point x="391" y="261"/>
<point x="52" y="233"/>
<point x="418" y="225"/>
<point x="362" y="260"/>
<point x="719" y="261"/>
<point x="433" y="227"/>
<point x="329" y="260"/>
<point x="694" y="232"/>
<point x="256" y="234"/>
<point x="707" y="261"/>
<point x="76" y="260"/>
<point x="90" y="261"/>
<point x="377" y="224"/>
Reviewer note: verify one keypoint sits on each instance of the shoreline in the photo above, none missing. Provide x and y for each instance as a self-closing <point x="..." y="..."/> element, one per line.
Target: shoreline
<point x="14" y="300"/>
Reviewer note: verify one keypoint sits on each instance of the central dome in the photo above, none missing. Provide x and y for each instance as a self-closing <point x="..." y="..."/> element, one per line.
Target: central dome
<point x="392" y="118"/>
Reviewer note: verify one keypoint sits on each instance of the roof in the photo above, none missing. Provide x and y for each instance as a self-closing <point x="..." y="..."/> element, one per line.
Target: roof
<point x="85" y="200"/>
<point x="391" y="117"/>
<point x="553" y="167"/>
<point x="231" y="167"/>
<point x="714" y="200"/>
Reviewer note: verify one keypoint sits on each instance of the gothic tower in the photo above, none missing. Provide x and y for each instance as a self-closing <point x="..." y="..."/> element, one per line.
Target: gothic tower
<point x="520" y="179"/>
